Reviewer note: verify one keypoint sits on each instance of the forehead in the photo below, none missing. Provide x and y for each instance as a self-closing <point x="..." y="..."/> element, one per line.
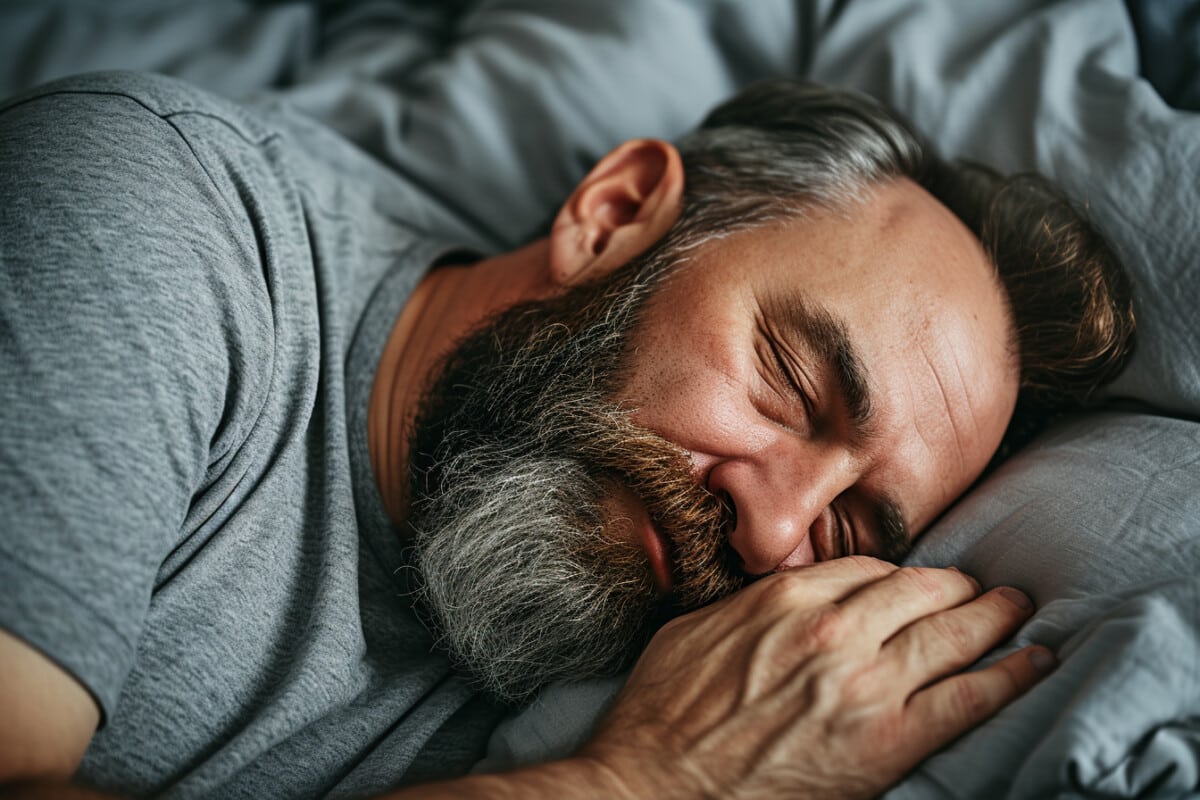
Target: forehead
<point x="899" y="243"/>
<point x="925" y="310"/>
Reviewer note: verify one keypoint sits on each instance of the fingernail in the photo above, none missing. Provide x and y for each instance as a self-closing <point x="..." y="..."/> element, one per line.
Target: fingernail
<point x="1016" y="597"/>
<point x="1042" y="660"/>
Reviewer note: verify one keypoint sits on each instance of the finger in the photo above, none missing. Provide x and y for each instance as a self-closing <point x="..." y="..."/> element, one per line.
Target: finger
<point x="819" y="584"/>
<point x="882" y="608"/>
<point x="952" y="640"/>
<point x="944" y="711"/>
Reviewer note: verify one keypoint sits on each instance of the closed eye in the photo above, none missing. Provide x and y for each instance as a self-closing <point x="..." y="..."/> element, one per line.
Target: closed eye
<point x="788" y="376"/>
<point x="845" y="531"/>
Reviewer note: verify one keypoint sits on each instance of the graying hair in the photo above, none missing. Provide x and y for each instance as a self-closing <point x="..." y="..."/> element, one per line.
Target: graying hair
<point x="509" y="576"/>
<point x="781" y="148"/>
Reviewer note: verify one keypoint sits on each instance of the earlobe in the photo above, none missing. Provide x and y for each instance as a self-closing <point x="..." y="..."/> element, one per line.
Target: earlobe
<point x="625" y="204"/>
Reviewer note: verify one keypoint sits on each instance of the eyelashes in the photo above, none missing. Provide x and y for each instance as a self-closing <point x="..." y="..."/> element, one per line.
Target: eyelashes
<point x="788" y="377"/>
<point x="845" y="531"/>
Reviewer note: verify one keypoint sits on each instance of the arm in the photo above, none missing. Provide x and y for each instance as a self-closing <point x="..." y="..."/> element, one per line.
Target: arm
<point x="819" y="682"/>
<point x="106" y="412"/>
<point x="49" y="716"/>
<point x="828" y="681"/>
<point x="49" y="720"/>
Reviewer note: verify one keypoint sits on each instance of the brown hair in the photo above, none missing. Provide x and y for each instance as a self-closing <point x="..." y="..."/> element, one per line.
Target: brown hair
<point x="1070" y="298"/>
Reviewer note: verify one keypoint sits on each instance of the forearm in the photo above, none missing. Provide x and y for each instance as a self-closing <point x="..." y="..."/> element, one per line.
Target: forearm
<point x="43" y="790"/>
<point x="561" y="780"/>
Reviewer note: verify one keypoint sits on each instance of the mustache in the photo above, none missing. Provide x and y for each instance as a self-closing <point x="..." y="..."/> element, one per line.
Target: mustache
<point x="695" y="523"/>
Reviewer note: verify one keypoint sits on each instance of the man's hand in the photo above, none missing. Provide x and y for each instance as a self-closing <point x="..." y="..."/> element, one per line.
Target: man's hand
<point x="826" y="681"/>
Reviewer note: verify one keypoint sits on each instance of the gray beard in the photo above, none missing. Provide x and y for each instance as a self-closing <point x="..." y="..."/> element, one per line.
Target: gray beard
<point x="521" y="575"/>
<point x="517" y="580"/>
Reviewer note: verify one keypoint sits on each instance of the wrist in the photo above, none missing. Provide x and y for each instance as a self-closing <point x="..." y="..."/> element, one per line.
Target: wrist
<point x="579" y="777"/>
<point x="614" y="780"/>
<point x="648" y="772"/>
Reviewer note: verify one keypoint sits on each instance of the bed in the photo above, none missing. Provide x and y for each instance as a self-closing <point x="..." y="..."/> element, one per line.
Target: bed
<point x="1098" y="520"/>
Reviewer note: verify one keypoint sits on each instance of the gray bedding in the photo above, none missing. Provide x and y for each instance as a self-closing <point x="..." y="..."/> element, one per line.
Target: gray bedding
<point x="1099" y="520"/>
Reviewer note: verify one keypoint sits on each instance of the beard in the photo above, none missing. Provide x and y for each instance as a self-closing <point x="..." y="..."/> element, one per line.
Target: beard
<point x="522" y="574"/>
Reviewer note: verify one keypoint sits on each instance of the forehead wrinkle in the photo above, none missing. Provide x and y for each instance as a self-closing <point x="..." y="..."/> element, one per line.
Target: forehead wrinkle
<point x="959" y="445"/>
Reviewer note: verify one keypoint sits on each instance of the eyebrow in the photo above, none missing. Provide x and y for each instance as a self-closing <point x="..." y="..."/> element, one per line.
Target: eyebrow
<point x="827" y="336"/>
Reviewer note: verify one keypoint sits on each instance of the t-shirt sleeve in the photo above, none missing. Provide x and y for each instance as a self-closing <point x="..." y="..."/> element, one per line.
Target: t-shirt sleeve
<point x="117" y="304"/>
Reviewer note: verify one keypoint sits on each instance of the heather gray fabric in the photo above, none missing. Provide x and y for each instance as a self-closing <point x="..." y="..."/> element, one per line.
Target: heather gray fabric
<point x="470" y="99"/>
<point x="1099" y="522"/>
<point x="215" y="597"/>
<point x="515" y="98"/>
<point x="194" y="299"/>
<point x="519" y="98"/>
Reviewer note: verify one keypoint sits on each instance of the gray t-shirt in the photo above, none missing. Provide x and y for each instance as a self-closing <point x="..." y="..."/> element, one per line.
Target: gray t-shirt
<point x="193" y="300"/>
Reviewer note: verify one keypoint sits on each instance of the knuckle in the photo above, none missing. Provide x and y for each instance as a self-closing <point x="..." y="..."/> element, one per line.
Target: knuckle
<point x="924" y="580"/>
<point x="864" y="687"/>
<point x="936" y="583"/>
<point x="825" y="627"/>
<point x="969" y="703"/>
<point x="958" y="635"/>
<point x="872" y="567"/>
<point x="832" y="691"/>
<point x="672" y="628"/>
<point x="784" y="589"/>
<point x="888" y="730"/>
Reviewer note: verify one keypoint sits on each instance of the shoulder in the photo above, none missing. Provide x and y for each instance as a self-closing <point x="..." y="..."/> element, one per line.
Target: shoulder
<point x="129" y="175"/>
<point x="137" y="97"/>
<point x="126" y="241"/>
<point x="121" y="143"/>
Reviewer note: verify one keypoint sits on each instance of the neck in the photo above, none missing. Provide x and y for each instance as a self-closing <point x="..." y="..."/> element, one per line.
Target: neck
<point x="448" y="303"/>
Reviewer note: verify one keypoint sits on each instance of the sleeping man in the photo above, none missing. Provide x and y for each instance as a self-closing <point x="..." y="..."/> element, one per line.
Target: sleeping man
<point x="299" y="498"/>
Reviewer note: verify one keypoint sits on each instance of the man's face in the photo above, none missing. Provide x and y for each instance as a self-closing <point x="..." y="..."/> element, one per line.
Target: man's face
<point x="789" y="394"/>
<point x="838" y="380"/>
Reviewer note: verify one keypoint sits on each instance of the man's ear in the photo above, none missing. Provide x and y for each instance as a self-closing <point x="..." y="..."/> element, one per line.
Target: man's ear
<point x="625" y="204"/>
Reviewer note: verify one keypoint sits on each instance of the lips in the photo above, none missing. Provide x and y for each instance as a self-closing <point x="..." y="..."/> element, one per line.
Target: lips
<point x="624" y="509"/>
<point x="657" y="550"/>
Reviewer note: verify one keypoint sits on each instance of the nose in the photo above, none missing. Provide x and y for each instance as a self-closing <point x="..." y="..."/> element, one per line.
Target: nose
<point x="782" y="500"/>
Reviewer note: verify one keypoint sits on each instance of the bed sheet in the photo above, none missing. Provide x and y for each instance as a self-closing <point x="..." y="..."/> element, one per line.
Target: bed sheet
<point x="1098" y="520"/>
<point x="227" y="46"/>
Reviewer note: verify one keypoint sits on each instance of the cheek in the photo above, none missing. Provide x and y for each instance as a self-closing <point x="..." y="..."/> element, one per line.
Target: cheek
<point x="693" y="392"/>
